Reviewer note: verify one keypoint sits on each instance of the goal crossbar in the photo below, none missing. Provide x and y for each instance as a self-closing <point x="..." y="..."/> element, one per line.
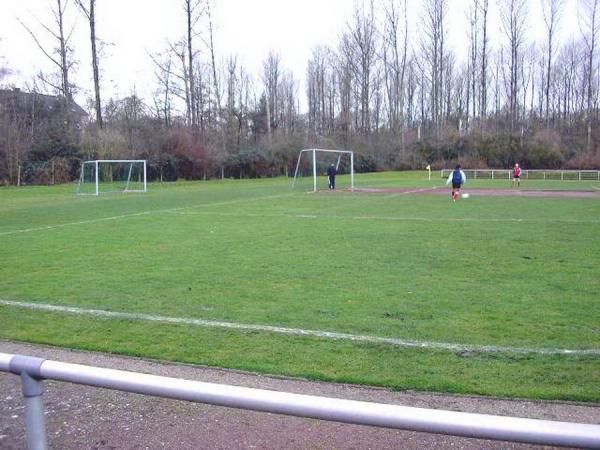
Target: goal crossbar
<point x="314" y="164"/>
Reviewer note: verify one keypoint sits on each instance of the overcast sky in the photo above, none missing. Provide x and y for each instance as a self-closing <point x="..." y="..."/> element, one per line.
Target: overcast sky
<point x="246" y="28"/>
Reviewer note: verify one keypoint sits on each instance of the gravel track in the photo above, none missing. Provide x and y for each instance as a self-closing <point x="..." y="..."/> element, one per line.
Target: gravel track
<point x="80" y="417"/>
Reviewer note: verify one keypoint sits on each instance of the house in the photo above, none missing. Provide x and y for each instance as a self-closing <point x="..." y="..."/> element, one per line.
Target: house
<point x="38" y="107"/>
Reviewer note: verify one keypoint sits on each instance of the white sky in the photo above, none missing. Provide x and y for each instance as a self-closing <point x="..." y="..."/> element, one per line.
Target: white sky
<point x="246" y="28"/>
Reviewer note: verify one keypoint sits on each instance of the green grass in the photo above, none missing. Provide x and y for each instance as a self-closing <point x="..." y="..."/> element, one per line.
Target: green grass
<point x="413" y="267"/>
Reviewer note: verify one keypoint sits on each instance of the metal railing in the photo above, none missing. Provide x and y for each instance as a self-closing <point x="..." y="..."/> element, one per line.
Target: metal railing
<point x="506" y="174"/>
<point x="34" y="370"/>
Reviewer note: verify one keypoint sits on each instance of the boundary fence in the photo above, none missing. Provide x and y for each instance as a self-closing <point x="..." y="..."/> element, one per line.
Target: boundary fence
<point x="506" y="174"/>
<point x="34" y="370"/>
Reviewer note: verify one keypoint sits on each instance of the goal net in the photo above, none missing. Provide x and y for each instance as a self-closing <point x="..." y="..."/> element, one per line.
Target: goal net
<point x="106" y="176"/>
<point x="312" y="166"/>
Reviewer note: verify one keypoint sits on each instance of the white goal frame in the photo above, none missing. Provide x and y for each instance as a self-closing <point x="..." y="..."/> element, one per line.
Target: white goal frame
<point x="314" y="164"/>
<point x="97" y="163"/>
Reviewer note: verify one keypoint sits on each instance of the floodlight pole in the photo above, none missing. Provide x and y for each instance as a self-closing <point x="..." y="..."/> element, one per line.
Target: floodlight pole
<point x="314" y="152"/>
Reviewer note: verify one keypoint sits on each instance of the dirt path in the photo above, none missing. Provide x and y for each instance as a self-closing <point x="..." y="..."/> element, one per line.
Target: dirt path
<point x="484" y="192"/>
<point x="80" y="417"/>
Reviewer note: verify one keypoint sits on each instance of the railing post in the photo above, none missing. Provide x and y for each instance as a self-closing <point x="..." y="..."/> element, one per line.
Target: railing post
<point x="34" y="412"/>
<point x="32" y="386"/>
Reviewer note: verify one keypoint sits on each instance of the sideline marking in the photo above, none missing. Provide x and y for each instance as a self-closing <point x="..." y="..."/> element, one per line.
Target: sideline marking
<point x="156" y="211"/>
<point x="300" y="332"/>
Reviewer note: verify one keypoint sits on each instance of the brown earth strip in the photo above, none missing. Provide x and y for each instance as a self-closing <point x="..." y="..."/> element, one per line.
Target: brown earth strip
<point x="484" y="192"/>
<point x="80" y="417"/>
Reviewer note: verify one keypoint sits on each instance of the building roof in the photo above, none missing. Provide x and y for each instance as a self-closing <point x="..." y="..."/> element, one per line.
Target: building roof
<point x="46" y="102"/>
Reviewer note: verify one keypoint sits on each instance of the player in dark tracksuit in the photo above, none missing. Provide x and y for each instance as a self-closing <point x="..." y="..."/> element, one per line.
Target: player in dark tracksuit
<point x="331" y="173"/>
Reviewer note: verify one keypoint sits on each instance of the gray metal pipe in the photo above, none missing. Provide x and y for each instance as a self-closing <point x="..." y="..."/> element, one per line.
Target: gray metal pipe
<point x="35" y="423"/>
<point x="349" y="411"/>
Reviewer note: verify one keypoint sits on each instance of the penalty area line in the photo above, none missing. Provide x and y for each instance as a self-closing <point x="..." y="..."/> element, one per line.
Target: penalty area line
<point x="383" y="218"/>
<point x="430" y="345"/>
<point x="142" y="213"/>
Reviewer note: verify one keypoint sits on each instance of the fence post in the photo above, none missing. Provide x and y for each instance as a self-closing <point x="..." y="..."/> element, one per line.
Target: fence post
<point x="34" y="412"/>
<point x="32" y="386"/>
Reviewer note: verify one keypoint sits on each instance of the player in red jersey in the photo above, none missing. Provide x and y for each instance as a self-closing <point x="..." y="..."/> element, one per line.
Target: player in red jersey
<point x="516" y="180"/>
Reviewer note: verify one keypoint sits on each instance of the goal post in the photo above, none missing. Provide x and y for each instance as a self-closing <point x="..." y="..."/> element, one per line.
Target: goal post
<point x="103" y="176"/>
<point x="313" y="162"/>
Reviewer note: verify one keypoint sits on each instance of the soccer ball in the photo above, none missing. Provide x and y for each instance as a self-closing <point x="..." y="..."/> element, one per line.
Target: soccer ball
<point x="465" y="196"/>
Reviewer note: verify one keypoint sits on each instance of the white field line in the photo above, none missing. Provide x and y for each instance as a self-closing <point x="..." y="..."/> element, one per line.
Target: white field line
<point x="416" y="191"/>
<point x="299" y="332"/>
<point x="381" y="218"/>
<point x="143" y="213"/>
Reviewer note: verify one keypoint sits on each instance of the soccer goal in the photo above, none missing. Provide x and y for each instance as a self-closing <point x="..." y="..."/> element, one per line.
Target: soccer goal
<point x="104" y="176"/>
<point x="312" y="165"/>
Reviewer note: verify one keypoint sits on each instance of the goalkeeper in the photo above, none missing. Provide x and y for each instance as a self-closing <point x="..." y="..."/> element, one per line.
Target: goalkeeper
<point x="331" y="173"/>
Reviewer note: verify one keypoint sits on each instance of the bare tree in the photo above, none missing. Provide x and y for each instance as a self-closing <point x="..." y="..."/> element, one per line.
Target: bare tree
<point x="359" y="51"/>
<point x="193" y="13"/>
<point x="435" y="57"/>
<point x="514" y="16"/>
<point x="213" y="64"/>
<point x="395" y="51"/>
<point x="471" y="91"/>
<point x="270" y="77"/>
<point x="61" y="54"/>
<point x="90" y="14"/>
<point x="589" y="21"/>
<point x="181" y="88"/>
<point x="164" y="75"/>
<point x="484" y="4"/>
<point x="551" y="10"/>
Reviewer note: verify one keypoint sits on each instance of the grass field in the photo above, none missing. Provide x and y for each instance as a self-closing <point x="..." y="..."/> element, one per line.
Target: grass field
<point x="509" y="272"/>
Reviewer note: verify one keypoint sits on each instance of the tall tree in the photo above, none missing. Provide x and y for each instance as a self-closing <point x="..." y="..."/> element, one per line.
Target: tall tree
<point x="90" y="14"/>
<point x="164" y="76"/>
<point x="193" y="12"/>
<point x="395" y="52"/>
<point x="60" y="55"/>
<point x="271" y="77"/>
<point x="359" y="49"/>
<point x="484" y="4"/>
<point x="589" y="21"/>
<point x="472" y="98"/>
<point x="551" y="10"/>
<point x="514" y="18"/>
<point x="433" y="46"/>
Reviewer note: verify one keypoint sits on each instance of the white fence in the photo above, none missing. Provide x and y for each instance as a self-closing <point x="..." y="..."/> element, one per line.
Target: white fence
<point x="504" y="174"/>
<point x="34" y="370"/>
